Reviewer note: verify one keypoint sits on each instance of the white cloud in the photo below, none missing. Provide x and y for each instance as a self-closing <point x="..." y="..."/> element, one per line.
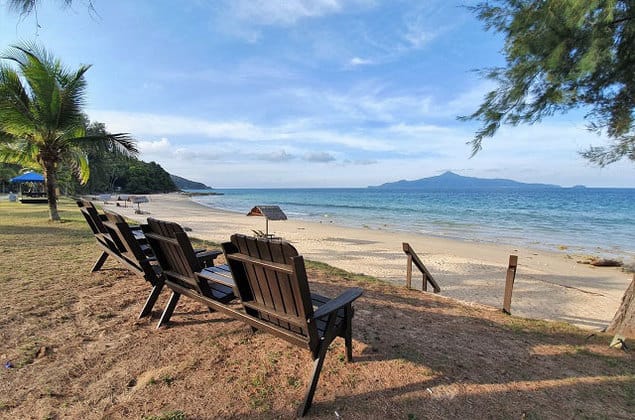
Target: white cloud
<point x="245" y="18"/>
<point x="358" y="61"/>
<point x="281" y="12"/>
<point x="423" y="24"/>
<point x="145" y="124"/>
<point x="154" y="146"/>
<point x="159" y="124"/>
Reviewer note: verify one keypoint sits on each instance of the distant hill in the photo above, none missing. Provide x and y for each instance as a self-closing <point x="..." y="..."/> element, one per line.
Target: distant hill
<point x="450" y="180"/>
<point x="186" y="184"/>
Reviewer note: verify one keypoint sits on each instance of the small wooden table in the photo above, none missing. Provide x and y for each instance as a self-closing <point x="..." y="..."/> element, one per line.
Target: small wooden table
<point x="219" y="274"/>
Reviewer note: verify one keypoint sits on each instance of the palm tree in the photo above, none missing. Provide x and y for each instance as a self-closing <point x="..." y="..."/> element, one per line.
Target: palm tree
<point x="41" y="121"/>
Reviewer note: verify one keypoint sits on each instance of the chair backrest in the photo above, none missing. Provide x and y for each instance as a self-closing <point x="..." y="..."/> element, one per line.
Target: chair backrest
<point x="129" y="247"/>
<point x="175" y="254"/>
<point x="272" y="283"/>
<point x="96" y="224"/>
<point x="91" y="215"/>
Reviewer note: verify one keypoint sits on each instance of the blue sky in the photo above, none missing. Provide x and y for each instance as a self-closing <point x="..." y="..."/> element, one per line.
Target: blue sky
<point x="303" y="93"/>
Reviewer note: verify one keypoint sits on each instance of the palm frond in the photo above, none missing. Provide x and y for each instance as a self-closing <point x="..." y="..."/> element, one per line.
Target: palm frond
<point x="72" y="97"/>
<point x="23" y="153"/>
<point x="77" y="160"/>
<point x="15" y="103"/>
<point x="120" y="142"/>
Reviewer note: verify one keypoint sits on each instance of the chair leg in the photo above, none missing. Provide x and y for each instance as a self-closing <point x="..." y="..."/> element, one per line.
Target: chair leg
<point x="169" y="309"/>
<point x="348" y="336"/>
<point x="152" y="299"/>
<point x="317" y="368"/>
<point x="100" y="261"/>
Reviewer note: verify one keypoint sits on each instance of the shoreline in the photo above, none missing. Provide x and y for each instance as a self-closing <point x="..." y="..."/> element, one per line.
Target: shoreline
<point x="549" y="285"/>
<point x="573" y="250"/>
<point x="548" y="222"/>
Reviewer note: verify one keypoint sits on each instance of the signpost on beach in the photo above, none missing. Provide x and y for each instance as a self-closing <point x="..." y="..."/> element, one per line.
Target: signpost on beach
<point x="509" y="283"/>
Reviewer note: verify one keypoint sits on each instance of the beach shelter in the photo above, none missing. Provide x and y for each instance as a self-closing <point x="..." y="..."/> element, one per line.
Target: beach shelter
<point x="269" y="213"/>
<point x="35" y="195"/>
<point x="27" y="177"/>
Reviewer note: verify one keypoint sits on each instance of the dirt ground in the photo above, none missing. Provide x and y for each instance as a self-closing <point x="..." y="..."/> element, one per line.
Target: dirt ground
<point x="71" y="346"/>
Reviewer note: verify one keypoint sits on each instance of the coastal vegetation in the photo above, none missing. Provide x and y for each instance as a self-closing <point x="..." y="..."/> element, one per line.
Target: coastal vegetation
<point x="71" y="346"/>
<point x="186" y="184"/>
<point x="41" y="121"/>
<point x="43" y="128"/>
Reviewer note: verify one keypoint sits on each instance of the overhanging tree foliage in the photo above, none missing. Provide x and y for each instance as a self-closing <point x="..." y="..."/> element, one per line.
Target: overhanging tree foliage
<point x="560" y="55"/>
<point x="26" y="7"/>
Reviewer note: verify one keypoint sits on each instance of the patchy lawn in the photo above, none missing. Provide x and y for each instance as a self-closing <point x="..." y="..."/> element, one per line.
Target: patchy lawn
<point x="78" y="351"/>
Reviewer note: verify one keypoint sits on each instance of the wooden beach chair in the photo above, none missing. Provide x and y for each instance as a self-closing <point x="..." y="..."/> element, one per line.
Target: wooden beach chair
<point x="104" y="241"/>
<point x="270" y="278"/>
<point x="272" y="284"/>
<point x="182" y="271"/>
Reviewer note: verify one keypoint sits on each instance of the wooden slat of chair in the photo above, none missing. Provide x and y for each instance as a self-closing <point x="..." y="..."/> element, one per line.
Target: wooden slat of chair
<point x="295" y="295"/>
<point x="273" y="281"/>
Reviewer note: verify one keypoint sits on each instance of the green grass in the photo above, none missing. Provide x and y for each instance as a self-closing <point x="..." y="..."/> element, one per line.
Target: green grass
<point x="536" y="326"/>
<point x="202" y="243"/>
<point x="260" y="393"/>
<point x="28" y="353"/>
<point x="343" y="274"/>
<point x="168" y="415"/>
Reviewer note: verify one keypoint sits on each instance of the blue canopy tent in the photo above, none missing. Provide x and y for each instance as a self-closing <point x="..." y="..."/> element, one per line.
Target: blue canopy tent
<point x="36" y="193"/>
<point x="28" y="177"/>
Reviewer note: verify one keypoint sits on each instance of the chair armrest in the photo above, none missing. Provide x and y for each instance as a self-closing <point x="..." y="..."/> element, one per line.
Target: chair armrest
<point x="342" y="300"/>
<point x="208" y="254"/>
<point x="207" y="258"/>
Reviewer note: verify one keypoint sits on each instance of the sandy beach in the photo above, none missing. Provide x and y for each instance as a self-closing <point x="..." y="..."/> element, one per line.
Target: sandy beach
<point x="548" y="285"/>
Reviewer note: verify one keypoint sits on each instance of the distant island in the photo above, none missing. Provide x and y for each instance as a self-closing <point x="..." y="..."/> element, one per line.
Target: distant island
<point x="450" y="180"/>
<point x="186" y="184"/>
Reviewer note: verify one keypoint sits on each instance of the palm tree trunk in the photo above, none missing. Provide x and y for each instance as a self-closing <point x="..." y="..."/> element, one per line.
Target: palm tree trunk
<point x="51" y="184"/>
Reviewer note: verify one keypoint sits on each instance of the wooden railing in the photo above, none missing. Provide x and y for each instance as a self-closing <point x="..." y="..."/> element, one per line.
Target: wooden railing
<point x="427" y="277"/>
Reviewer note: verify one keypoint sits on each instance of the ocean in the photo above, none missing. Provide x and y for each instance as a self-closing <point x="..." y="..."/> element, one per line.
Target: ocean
<point x="593" y="221"/>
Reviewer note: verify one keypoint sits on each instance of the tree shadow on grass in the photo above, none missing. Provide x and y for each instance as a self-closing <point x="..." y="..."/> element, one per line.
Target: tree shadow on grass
<point x="430" y="357"/>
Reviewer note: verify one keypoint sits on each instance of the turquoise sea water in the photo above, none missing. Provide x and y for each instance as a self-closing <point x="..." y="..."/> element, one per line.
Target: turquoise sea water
<point x="593" y="220"/>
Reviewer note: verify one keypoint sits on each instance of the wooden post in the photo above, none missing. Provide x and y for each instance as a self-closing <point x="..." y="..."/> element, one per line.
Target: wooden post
<point x="409" y="272"/>
<point x="509" y="283"/>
